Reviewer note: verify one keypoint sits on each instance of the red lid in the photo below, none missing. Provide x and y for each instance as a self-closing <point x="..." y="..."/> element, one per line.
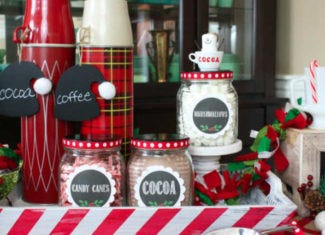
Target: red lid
<point x="89" y="144"/>
<point x="159" y="141"/>
<point x="207" y="75"/>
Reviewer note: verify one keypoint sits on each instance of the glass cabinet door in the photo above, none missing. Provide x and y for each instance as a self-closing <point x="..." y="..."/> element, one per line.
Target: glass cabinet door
<point x="233" y="21"/>
<point x="156" y="40"/>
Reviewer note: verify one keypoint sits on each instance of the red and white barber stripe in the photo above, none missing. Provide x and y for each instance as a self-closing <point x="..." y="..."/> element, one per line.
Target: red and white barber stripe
<point x="128" y="220"/>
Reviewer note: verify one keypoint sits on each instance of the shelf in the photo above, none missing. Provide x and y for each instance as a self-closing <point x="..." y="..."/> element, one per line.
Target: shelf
<point x="164" y="2"/>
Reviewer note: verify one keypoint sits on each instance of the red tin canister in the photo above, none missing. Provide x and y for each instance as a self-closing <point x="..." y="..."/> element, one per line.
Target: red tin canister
<point x="46" y="38"/>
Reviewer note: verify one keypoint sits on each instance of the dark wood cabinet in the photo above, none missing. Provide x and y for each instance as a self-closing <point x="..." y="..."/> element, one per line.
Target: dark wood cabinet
<point x="155" y="104"/>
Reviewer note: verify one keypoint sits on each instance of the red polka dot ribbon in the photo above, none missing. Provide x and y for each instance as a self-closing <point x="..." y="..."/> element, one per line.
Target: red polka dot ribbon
<point x="84" y="144"/>
<point x="206" y="75"/>
<point x="156" y="144"/>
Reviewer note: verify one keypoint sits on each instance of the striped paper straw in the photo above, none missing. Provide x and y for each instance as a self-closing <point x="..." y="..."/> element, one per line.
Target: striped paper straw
<point x="312" y="70"/>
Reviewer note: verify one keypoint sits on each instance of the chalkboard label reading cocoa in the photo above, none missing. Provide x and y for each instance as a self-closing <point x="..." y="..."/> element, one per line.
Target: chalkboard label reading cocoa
<point x="211" y="115"/>
<point x="17" y="97"/>
<point x="91" y="187"/>
<point x="74" y="99"/>
<point x="159" y="188"/>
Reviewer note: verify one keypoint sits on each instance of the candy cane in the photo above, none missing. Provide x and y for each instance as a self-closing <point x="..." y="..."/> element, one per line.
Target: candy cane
<point x="312" y="70"/>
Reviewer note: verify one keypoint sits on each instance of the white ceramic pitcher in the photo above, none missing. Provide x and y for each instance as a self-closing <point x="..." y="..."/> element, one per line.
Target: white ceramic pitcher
<point x="316" y="109"/>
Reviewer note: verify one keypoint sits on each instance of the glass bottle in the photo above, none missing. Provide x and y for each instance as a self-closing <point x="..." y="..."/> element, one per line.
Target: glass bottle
<point x="160" y="171"/>
<point x="92" y="173"/>
<point x="207" y="108"/>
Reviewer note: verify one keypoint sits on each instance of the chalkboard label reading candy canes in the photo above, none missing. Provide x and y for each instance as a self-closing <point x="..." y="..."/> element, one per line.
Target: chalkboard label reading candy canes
<point x="159" y="186"/>
<point x="90" y="186"/>
<point x="74" y="98"/>
<point x="17" y="97"/>
<point x="211" y="115"/>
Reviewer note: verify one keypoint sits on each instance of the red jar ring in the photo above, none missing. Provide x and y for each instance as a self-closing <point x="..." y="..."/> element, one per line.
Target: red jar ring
<point x="87" y="144"/>
<point x="159" y="142"/>
<point x="207" y="75"/>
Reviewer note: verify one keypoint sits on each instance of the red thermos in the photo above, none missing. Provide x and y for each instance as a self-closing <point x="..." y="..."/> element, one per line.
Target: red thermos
<point x="47" y="39"/>
<point x="106" y="42"/>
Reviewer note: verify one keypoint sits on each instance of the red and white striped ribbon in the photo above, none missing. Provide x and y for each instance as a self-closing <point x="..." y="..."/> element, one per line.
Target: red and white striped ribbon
<point x="128" y="220"/>
<point x="313" y="80"/>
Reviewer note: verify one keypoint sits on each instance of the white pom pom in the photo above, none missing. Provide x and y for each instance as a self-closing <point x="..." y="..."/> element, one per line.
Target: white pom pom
<point x="320" y="221"/>
<point x="42" y="86"/>
<point x="107" y="90"/>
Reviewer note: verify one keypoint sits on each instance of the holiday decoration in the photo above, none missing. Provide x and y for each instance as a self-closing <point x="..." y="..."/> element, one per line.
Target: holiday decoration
<point x="250" y="170"/>
<point x="313" y="65"/>
<point x="10" y="164"/>
<point x="45" y="38"/>
<point x="310" y="98"/>
<point x="313" y="198"/>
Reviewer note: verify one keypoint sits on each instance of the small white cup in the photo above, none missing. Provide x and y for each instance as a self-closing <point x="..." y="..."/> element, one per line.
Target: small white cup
<point x="207" y="60"/>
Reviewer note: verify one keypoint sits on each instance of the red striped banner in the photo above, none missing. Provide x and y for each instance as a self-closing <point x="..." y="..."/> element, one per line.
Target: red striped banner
<point x="118" y="216"/>
<point x="127" y="220"/>
<point x="26" y="221"/>
<point x="70" y="221"/>
<point x="252" y="217"/>
<point x="158" y="220"/>
<point x="204" y="220"/>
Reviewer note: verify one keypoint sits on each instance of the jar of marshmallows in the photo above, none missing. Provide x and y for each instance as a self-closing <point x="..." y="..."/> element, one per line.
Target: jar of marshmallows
<point x="92" y="173"/>
<point x="207" y="108"/>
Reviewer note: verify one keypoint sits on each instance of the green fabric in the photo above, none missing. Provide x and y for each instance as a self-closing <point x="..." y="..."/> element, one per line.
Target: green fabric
<point x="204" y="198"/>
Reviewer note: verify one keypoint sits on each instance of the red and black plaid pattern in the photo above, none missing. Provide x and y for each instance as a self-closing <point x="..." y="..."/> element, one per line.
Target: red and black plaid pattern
<point x="116" y="117"/>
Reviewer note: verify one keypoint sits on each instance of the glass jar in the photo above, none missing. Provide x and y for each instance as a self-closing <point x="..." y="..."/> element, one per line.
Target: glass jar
<point x="160" y="171"/>
<point x="207" y="108"/>
<point x="92" y="173"/>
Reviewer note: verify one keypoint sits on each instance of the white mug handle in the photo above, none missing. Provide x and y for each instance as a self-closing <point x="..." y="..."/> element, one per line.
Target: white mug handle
<point x="192" y="57"/>
<point x="83" y="35"/>
<point x="293" y="98"/>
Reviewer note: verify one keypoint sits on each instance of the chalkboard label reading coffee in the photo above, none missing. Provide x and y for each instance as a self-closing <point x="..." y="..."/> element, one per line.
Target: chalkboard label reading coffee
<point x="159" y="186"/>
<point x="74" y="99"/>
<point x="211" y="115"/>
<point x="90" y="186"/>
<point x="17" y="98"/>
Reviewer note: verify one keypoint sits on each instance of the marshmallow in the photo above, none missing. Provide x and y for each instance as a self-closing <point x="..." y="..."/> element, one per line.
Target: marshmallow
<point x="210" y="42"/>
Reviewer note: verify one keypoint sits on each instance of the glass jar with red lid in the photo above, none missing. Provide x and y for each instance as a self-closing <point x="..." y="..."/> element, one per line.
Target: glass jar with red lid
<point x="92" y="173"/>
<point x="160" y="171"/>
<point x="207" y="108"/>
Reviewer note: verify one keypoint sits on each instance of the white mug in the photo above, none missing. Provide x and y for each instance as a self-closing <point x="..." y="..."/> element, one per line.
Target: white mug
<point x="207" y="60"/>
<point x="105" y="23"/>
<point x="315" y="107"/>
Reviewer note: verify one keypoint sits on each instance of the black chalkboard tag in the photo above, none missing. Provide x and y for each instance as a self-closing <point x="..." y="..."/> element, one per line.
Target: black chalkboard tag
<point x="74" y="100"/>
<point x="17" y="97"/>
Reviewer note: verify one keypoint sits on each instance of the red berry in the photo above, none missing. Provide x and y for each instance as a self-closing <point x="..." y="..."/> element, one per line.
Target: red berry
<point x="310" y="177"/>
<point x="299" y="189"/>
<point x="310" y="184"/>
<point x="303" y="185"/>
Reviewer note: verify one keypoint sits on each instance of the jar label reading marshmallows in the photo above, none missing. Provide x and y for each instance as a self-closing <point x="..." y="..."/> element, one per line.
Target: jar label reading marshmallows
<point x="211" y="115"/>
<point x="159" y="186"/>
<point x="90" y="186"/>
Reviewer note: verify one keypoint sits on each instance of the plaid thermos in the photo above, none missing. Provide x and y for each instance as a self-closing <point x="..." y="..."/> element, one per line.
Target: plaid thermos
<point x="106" y="42"/>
